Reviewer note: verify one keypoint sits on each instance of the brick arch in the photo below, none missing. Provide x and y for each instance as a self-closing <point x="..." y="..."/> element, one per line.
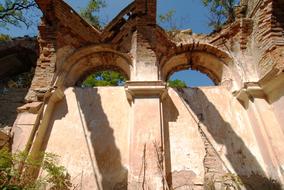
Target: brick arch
<point x="208" y="59"/>
<point x="92" y="59"/>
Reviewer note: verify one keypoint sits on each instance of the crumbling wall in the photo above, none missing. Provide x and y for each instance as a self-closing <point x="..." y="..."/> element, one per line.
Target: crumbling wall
<point x="267" y="36"/>
<point x="252" y="5"/>
<point x="212" y="134"/>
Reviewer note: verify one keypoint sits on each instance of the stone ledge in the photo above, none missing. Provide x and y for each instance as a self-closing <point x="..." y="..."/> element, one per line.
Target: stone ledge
<point x="140" y="89"/>
<point x="249" y="92"/>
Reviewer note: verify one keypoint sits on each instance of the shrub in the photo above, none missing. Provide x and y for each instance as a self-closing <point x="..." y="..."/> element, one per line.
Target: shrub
<point x="11" y="178"/>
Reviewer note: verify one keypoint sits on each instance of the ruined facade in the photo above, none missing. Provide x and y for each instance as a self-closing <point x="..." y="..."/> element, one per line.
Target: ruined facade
<point x="148" y="136"/>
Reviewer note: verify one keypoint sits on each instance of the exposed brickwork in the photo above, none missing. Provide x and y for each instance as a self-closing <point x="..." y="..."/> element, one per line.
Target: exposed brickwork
<point x="44" y="73"/>
<point x="268" y="33"/>
<point x="77" y="30"/>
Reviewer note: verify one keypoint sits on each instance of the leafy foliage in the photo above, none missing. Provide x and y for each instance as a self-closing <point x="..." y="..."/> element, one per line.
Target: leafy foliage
<point x="104" y="78"/>
<point x="168" y="18"/>
<point x="177" y="84"/>
<point x="4" y="38"/>
<point x="87" y="13"/>
<point x="221" y="11"/>
<point x="10" y="176"/>
<point x="56" y="175"/>
<point x="12" y="12"/>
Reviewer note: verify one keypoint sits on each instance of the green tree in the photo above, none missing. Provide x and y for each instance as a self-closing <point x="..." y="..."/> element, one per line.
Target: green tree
<point x="177" y="84"/>
<point x="104" y="78"/>
<point x="88" y="13"/>
<point x="12" y="12"/>
<point x="221" y="11"/>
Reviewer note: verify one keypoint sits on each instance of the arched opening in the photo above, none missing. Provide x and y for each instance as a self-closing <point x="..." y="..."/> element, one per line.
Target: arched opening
<point x="217" y="64"/>
<point x="79" y="66"/>
<point x="189" y="78"/>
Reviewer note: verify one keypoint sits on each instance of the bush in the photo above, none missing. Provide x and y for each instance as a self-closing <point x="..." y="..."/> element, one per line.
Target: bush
<point x="177" y="84"/>
<point x="11" y="178"/>
<point x="4" y="38"/>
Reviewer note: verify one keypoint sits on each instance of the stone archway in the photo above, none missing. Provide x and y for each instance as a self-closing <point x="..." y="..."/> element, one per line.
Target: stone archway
<point x="217" y="64"/>
<point x="92" y="59"/>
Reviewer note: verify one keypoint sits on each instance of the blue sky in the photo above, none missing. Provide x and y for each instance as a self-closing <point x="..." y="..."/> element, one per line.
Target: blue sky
<point x="188" y="14"/>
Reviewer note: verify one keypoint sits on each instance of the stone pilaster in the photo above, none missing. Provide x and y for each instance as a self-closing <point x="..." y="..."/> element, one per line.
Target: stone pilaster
<point x="145" y="93"/>
<point x="146" y="142"/>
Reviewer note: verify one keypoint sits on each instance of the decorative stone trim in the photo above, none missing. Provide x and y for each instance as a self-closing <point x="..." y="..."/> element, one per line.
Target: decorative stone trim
<point x="249" y="92"/>
<point x="142" y="89"/>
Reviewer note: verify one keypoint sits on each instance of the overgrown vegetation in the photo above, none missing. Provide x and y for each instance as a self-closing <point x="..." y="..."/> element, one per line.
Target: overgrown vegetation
<point x="88" y="13"/>
<point x="104" y="78"/>
<point x="12" y="12"/>
<point x="53" y="176"/>
<point x="177" y="84"/>
<point x="171" y="23"/>
<point x="168" y="19"/>
<point x="4" y="38"/>
<point x="221" y="11"/>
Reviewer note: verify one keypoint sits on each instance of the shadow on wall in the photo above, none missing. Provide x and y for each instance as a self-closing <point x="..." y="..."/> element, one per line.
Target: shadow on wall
<point x="238" y="154"/>
<point x="107" y="167"/>
<point x="170" y="114"/>
<point x="108" y="158"/>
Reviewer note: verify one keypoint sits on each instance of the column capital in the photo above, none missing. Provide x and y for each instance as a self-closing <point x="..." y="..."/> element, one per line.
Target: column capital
<point x="140" y="89"/>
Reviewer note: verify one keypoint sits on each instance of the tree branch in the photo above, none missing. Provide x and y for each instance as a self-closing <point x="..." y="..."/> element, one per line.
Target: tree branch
<point x="12" y="12"/>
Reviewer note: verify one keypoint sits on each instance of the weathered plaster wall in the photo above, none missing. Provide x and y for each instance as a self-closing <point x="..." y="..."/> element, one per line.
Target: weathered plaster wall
<point x="184" y="147"/>
<point x="228" y="131"/>
<point x="278" y="109"/>
<point x="89" y="130"/>
<point x="228" y="125"/>
<point x="22" y="130"/>
<point x="208" y="133"/>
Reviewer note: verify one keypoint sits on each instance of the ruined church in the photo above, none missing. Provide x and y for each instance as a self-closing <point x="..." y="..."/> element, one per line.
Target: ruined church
<point x="146" y="135"/>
